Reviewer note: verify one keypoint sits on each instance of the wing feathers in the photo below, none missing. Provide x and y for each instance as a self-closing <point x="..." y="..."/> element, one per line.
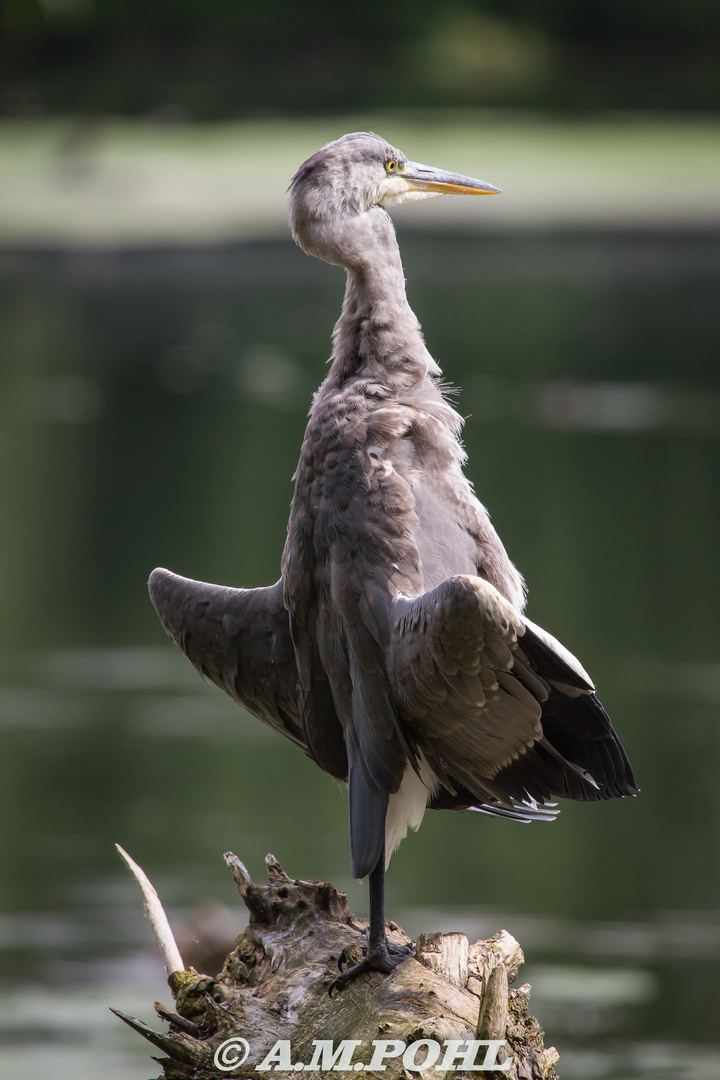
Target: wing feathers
<point x="240" y="640"/>
<point x="237" y="638"/>
<point x="505" y="717"/>
<point x="501" y="710"/>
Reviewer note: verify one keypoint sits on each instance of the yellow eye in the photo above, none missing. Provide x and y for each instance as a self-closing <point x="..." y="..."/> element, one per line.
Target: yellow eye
<point x="391" y="166"/>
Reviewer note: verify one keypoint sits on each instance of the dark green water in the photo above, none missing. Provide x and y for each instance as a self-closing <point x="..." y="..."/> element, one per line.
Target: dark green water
<point x="151" y="411"/>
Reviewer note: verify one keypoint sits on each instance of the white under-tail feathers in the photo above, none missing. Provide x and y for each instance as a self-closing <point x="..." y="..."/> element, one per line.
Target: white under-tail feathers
<point x="524" y="812"/>
<point x="406" y="808"/>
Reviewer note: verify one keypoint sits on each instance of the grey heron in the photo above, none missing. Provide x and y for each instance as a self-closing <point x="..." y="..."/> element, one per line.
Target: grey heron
<point x="394" y="650"/>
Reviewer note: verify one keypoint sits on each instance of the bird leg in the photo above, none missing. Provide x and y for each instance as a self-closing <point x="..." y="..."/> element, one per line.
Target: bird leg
<point x="380" y="955"/>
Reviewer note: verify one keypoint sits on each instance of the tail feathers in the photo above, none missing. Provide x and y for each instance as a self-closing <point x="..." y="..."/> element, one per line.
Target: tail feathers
<point x="523" y="808"/>
<point x="524" y="812"/>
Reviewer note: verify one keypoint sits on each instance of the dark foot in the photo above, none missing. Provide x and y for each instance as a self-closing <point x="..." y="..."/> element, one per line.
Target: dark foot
<point x="386" y="959"/>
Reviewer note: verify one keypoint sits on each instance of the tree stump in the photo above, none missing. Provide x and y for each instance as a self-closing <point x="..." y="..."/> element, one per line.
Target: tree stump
<point x="449" y="1009"/>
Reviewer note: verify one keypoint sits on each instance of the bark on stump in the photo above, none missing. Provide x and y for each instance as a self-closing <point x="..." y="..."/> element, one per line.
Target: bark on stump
<point x="274" y="986"/>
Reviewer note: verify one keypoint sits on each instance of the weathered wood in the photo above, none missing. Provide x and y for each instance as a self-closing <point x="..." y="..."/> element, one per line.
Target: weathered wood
<point x="447" y="954"/>
<point x="157" y="918"/>
<point x="271" y="998"/>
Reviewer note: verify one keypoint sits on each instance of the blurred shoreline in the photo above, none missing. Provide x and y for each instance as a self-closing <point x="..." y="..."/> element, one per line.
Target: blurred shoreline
<point x="102" y="183"/>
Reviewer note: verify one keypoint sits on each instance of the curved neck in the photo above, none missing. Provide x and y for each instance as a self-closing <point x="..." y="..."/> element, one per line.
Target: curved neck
<point x="377" y="336"/>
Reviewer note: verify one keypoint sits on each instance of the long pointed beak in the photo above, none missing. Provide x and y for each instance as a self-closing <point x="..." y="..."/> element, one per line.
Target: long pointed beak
<point x="427" y="178"/>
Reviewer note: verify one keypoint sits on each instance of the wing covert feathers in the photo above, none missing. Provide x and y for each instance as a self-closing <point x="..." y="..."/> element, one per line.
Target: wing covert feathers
<point x="240" y="640"/>
<point x="500" y="713"/>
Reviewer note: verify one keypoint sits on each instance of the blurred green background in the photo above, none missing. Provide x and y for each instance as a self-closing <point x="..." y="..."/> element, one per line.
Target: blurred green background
<point x="160" y="340"/>
<point x="224" y="57"/>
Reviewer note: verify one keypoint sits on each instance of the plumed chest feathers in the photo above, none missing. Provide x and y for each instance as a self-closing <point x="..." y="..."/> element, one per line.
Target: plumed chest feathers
<point x="380" y="489"/>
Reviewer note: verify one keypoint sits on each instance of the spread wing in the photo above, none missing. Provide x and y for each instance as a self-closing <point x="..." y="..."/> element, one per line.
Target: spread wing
<point x="240" y="640"/>
<point x="501" y="711"/>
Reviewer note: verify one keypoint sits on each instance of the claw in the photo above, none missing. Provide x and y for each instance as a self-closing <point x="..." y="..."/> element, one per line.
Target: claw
<point x="385" y="959"/>
<point x="351" y="954"/>
<point x="346" y="977"/>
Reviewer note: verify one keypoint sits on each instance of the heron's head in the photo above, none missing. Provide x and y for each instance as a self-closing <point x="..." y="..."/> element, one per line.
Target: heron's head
<point x="354" y="175"/>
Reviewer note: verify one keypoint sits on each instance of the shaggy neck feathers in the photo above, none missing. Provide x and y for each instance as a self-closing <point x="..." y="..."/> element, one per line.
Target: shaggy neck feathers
<point x="377" y="335"/>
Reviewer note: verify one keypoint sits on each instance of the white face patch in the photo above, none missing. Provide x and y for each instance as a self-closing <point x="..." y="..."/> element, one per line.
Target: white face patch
<point x="396" y="189"/>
